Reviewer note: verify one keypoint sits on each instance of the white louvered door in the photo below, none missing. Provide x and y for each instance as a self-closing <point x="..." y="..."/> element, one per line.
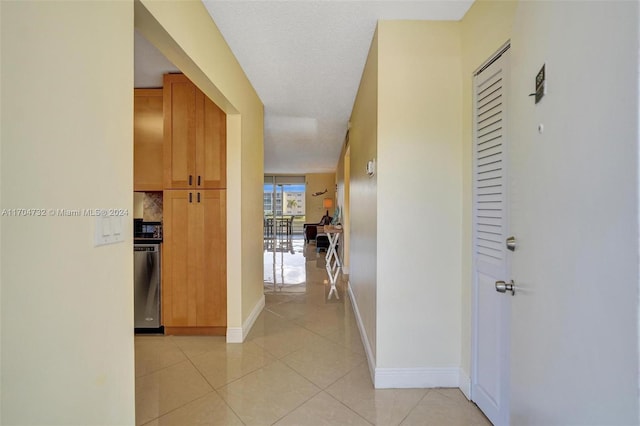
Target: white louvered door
<point x="490" y="365"/>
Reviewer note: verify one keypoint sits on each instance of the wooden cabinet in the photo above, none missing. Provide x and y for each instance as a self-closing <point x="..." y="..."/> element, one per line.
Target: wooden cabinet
<point x="194" y="262"/>
<point x="147" y="140"/>
<point x="195" y="137"/>
<point x="194" y="265"/>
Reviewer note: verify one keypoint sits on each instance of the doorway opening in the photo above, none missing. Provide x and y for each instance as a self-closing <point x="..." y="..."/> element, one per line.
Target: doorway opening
<point x="283" y="218"/>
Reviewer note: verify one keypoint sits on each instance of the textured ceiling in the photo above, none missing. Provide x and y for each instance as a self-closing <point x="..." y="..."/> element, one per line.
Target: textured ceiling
<point x="305" y="59"/>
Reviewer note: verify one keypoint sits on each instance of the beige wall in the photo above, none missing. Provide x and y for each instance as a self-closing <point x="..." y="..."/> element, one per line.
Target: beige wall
<point x="419" y="194"/>
<point x="208" y="61"/>
<point x="422" y="75"/>
<point x="485" y="28"/>
<point x="408" y="114"/>
<point x="417" y="154"/>
<point x="318" y="182"/>
<point x="343" y="173"/>
<point x="363" y="247"/>
<point x="67" y="306"/>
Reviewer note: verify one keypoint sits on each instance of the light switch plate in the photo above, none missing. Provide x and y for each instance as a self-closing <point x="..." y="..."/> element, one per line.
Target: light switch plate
<point x="108" y="230"/>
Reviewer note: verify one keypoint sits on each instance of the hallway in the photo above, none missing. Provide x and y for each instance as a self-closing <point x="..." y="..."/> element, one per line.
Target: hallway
<point x="302" y="364"/>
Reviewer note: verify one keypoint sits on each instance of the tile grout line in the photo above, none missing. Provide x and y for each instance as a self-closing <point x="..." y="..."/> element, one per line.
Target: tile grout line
<point x="213" y="389"/>
<point x="414" y="406"/>
<point x="166" y="366"/>
<point x="184" y="405"/>
<point x="293" y="322"/>
<point x="346" y="406"/>
<point x="304" y="402"/>
<point x="160" y="369"/>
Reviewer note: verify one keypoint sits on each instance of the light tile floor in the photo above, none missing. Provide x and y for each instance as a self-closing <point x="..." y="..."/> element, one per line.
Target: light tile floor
<point x="303" y="363"/>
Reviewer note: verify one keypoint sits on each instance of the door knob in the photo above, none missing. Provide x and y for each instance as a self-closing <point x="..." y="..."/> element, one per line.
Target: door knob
<point x="511" y="243"/>
<point x="503" y="287"/>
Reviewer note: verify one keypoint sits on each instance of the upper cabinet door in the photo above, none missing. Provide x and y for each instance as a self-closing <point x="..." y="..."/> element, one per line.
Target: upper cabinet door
<point x="147" y="140"/>
<point x="211" y="147"/>
<point x="179" y="132"/>
<point x="195" y="137"/>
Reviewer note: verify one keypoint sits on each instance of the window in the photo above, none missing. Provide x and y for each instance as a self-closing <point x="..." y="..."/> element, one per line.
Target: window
<point x="284" y="195"/>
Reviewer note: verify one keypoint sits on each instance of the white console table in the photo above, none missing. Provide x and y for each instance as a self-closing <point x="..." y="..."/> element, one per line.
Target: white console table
<point x="333" y="263"/>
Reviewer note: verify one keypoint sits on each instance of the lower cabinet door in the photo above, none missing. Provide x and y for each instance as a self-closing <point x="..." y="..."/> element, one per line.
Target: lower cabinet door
<point x="194" y="262"/>
<point x="212" y="259"/>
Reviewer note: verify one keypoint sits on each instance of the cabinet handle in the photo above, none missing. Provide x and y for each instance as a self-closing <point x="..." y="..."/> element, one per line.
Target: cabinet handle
<point x="198" y="197"/>
<point x="190" y="180"/>
<point x="198" y="180"/>
<point x="190" y="197"/>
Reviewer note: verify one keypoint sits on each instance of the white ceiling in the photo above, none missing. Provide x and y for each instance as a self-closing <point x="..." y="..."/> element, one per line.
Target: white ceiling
<point x="305" y="60"/>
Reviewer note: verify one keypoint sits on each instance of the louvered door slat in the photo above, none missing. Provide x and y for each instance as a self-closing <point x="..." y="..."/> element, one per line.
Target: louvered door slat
<point x="489" y="169"/>
<point x="489" y="174"/>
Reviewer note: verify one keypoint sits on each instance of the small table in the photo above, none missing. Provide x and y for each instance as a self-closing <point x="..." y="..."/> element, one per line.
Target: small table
<point x="333" y="260"/>
<point x="268" y="226"/>
<point x="283" y="224"/>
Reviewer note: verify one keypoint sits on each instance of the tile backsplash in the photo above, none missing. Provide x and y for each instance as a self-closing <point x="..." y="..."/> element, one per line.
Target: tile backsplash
<point x="148" y="206"/>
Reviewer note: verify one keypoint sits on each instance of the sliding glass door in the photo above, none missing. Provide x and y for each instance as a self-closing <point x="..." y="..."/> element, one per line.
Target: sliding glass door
<point x="284" y="213"/>
<point x="284" y="205"/>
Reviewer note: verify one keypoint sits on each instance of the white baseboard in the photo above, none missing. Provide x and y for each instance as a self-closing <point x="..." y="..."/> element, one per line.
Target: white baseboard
<point x="445" y="377"/>
<point x="238" y="334"/>
<point x="465" y="384"/>
<point x="371" y="359"/>
<point x="234" y="335"/>
<point x="397" y="378"/>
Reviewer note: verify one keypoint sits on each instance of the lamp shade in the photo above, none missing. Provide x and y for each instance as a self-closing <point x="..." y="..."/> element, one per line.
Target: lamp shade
<point x="327" y="203"/>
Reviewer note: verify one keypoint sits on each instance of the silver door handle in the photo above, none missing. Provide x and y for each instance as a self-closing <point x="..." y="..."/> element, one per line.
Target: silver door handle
<point x="503" y="287"/>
